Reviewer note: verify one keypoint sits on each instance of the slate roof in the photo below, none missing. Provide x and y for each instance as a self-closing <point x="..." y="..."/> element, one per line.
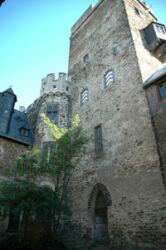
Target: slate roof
<point x="19" y="128"/>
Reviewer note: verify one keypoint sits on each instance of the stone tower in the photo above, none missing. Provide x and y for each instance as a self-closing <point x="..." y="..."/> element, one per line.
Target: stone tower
<point x="118" y="191"/>
<point x="7" y="102"/>
<point x="54" y="102"/>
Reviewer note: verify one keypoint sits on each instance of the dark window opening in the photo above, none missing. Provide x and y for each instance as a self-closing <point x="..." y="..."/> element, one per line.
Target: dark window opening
<point x="18" y="118"/>
<point x="85" y="58"/>
<point x="162" y="90"/>
<point x="101" y="221"/>
<point x="54" y="86"/>
<point x="137" y="11"/>
<point x="98" y="140"/>
<point x="114" y="51"/>
<point x="67" y="88"/>
<point x="52" y="113"/>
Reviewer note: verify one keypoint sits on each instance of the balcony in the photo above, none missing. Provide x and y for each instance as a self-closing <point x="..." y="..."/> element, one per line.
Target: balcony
<point x="155" y="35"/>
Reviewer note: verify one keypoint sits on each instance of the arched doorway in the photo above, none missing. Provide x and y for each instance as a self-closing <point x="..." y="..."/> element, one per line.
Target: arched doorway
<point x="98" y="203"/>
<point x="101" y="220"/>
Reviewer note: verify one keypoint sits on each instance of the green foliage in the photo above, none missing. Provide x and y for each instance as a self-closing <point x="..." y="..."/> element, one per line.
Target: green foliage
<point x="21" y="191"/>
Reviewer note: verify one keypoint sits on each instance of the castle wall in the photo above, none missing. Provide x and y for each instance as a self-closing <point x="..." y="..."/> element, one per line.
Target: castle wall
<point x="129" y="165"/>
<point x="159" y="120"/>
<point x="9" y="150"/>
<point x="148" y="63"/>
<point x="158" y="113"/>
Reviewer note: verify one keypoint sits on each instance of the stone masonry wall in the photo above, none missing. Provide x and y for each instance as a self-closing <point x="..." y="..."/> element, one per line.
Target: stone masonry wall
<point x="52" y="85"/>
<point x="159" y="120"/>
<point x="40" y="107"/>
<point x="158" y="113"/>
<point x="9" y="150"/>
<point x="53" y="92"/>
<point x="148" y="63"/>
<point x="129" y="166"/>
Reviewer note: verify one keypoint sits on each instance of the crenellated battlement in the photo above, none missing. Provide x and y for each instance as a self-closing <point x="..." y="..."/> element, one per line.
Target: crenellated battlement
<point x="51" y="84"/>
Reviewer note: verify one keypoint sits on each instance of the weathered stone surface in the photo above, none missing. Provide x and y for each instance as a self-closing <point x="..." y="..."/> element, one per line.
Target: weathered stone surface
<point x="53" y="92"/>
<point x="130" y="165"/>
<point x="9" y="150"/>
<point x="148" y="63"/>
<point x="130" y="173"/>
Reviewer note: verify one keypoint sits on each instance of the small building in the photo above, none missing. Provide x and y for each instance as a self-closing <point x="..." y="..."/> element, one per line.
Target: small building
<point x="15" y="130"/>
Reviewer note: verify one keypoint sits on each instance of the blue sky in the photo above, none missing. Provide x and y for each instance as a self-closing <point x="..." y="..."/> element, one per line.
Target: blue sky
<point x="34" y="41"/>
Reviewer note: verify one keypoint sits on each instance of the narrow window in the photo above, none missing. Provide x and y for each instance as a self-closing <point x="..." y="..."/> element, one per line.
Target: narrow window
<point x="84" y="96"/>
<point x="52" y="113"/>
<point x="24" y="132"/>
<point x="137" y="11"/>
<point x="109" y="78"/>
<point x="98" y="140"/>
<point x="85" y="58"/>
<point x="48" y="148"/>
<point x="162" y="90"/>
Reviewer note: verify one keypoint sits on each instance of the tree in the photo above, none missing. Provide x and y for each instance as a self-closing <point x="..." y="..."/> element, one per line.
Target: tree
<point x="21" y="192"/>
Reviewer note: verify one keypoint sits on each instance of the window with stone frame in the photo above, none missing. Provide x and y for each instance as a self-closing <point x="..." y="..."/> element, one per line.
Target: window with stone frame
<point x="47" y="148"/>
<point x="109" y="78"/>
<point x="98" y="140"/>
<point x="162" y="90"/>
<point x="24" y="132"/>
<point x="84" y="96"/>
<point x="160" y="29"/>
<point x="52" y="112"/>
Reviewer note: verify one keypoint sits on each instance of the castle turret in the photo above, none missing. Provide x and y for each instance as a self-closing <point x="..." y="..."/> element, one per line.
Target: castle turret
<point x="54" y="102"/>
<point x="7" y="102"/>
<point x="52" y="85"/>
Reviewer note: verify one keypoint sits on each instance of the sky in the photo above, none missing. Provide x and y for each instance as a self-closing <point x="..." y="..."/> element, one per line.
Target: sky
<point x="34" y="41"/>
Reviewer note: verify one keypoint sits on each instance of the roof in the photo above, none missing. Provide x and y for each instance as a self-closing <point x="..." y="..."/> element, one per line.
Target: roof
<point x="19" y="129"/>
<point x="155" y="76"/>
<point x="17" y="125"/>
<point x="10" y="91"/>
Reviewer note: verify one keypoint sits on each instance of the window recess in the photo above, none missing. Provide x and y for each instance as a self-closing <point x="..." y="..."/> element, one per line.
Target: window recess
<point x="84" y="96"/>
